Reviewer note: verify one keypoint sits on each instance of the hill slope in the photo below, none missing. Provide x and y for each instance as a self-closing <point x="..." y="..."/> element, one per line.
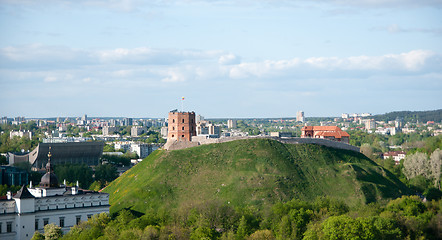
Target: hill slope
<point x="253" y="171"/>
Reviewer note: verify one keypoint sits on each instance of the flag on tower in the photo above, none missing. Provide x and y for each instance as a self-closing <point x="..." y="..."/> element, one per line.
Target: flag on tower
<point x="182" y="98"/>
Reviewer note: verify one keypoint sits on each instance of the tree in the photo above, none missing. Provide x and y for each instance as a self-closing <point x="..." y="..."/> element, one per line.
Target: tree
<point x="105" y="173"/>
<point x="417" y="164"/>
<point x="38" y="236"/>
<point x="242" y="230"/>
<point x="52" y="232"/>
<point x="367" y="150"/>
<point x="262" y="235"/>
<point x="435" y="166"/>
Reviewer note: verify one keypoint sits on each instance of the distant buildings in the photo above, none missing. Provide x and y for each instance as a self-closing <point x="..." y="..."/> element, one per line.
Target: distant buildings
<point x="136" y="131"/>
<point x="231" y="123"/>
<point x="327" y="132"/>
<point x="397" y="156"/>
<point x="300" y="116"/>
<point x="13" y="176"/>
<point x="87" y="153"/>
<point x="109" y="130"/>
<point x="20" y="134"/>
<point x="370" y="124"/>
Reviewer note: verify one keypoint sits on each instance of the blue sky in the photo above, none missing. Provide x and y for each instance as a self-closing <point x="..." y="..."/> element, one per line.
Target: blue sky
<point x="261" y="58"/>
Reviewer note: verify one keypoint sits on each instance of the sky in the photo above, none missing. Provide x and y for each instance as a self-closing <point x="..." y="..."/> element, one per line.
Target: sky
<point x="228" y="59"/>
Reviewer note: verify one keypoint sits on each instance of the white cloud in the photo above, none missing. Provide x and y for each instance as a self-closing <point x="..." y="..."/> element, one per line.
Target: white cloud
<point x="229" y="59"/>
<point x="412" y="61"/>
<point x="50" y="79"/>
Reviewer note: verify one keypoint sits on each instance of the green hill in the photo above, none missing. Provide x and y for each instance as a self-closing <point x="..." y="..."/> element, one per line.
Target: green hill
<point x="251" y="172"/>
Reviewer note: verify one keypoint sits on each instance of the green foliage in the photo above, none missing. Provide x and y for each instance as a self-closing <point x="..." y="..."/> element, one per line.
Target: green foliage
<point x="322" y="219"/>
<point x="38" y="236"/>
<point x="5" y="188"/>
<point x="73" y="173"/>
<point x="108" y="148"/>
<point x="242" y="230"/>
<point x="261" y="235"/>
<point x="105" y="173"/>
<point x="411" y="116"/>
<point x="122" y="160"/>
<point x="3" y="160"/>
<point x="52" y="232"/>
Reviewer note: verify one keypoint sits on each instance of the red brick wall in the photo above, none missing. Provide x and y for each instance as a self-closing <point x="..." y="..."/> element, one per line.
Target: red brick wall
<point x="182" y="126"/>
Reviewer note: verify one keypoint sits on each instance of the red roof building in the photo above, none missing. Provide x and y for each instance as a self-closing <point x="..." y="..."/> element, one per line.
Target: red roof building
<point x="327" y="132"/>
<point x="397" y="156"/>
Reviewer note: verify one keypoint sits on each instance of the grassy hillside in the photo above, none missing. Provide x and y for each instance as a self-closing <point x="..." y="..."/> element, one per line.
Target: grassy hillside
<point x="251" y="172"/>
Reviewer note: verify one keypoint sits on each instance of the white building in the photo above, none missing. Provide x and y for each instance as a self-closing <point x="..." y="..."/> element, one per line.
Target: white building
<point x="20" y="134"/>
<point x="231" y="123"/>
<point x="300" y="116"/>
<point x="142" y="149"/>
<point x="32" y="208"/>
<point x="135" y="131"/>
<point x="109" y="130"/>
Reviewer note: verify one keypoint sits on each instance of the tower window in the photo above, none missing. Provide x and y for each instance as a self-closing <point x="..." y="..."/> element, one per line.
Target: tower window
<point x="183" y="128"/>
<point x="183" y="120"/>
<point x="182" y="136"/>
<point x="173" y="120"/>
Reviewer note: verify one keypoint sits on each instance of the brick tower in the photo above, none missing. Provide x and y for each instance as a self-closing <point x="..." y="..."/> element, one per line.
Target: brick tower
<point x="182" y="126"/>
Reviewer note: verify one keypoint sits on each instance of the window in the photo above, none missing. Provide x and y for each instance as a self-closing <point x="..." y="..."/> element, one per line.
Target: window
<point x="45" y="221"/>
<point x="173" y="120"/>
<point x="1" y="227"/>
<point x="9" y="227"/>
<point x="61" y="221"/>
<point x="78" y="219"/>
<point x="36" y="224"/>
<point x="182" y="136"/>
<point x="173" y="128"/>
<point x="183" y="128"/>
<point x="173" y="135"/>
<point x="183" y="120"/>
<point x="89" y="216"/>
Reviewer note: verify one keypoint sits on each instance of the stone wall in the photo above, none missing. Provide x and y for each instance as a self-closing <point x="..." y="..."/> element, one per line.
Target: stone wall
<point x="294" y="140"/>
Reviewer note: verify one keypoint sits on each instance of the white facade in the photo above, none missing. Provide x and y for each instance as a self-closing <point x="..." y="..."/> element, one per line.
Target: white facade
<point x="231" y="123"/>
<point x="142" y="149"/>
<point x="300" y="116"/>
<point x="20" y="134"/>
<point x="21" y="216"/>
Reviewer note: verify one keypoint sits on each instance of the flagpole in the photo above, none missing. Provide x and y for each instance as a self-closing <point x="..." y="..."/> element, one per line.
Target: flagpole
<point x="182" y="104"/>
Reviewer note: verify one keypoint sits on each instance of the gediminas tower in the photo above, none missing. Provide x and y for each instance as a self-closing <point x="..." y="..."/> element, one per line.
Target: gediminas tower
<point x="182" y="126"/>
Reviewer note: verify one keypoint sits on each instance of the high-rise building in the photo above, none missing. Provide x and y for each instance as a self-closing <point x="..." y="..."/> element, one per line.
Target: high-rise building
<point x="300" y="116"/>
<point x="127" y="121"/>
<point x="182" y="126"/>
<point x="231" y="123"/>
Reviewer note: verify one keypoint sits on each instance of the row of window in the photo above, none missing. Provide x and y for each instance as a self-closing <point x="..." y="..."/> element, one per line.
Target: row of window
<point x="60" y="222"/>
<point x="173" y="120"/>
<point x="191" y="128"/>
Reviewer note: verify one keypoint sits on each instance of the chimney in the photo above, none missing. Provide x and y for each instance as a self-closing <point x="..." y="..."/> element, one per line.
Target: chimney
<point x="74" y="190"/>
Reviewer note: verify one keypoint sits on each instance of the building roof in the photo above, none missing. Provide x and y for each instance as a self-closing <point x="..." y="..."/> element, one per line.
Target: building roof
<point x="337" y="134"/>
<point x="326" y="131"/>
<point x="23" y="193"/>
<point x="393" y="153"/>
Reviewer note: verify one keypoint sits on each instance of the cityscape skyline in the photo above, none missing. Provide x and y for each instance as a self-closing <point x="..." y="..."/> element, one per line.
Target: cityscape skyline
<point x="229" y="59"/>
